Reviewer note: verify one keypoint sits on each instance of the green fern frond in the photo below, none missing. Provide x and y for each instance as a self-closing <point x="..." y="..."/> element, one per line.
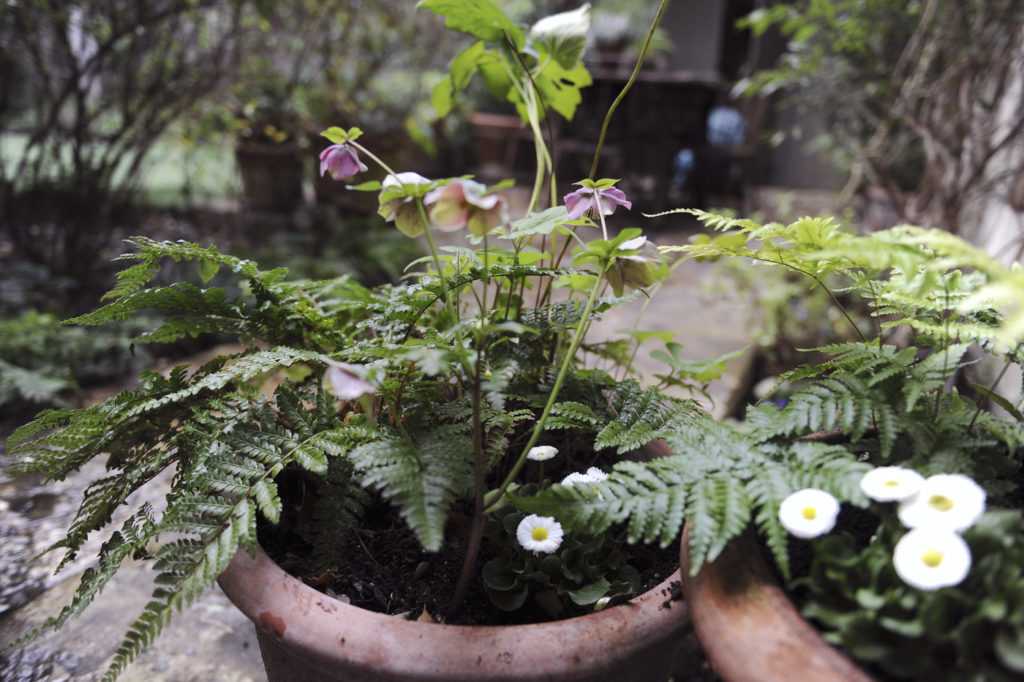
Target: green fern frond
<point x="422" y="479"/>
<point x="640" y="417"/>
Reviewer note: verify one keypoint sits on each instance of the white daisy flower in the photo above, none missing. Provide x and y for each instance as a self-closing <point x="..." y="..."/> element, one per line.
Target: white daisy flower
<point x="891" y="484"/>
<point x="930" y="558"/>
<point x="809" y="513"/>
<point x="541" y="534"/>
<point x="950" y="501"/>
<point x="542" y="453"/>
<point x="596" y="475"/>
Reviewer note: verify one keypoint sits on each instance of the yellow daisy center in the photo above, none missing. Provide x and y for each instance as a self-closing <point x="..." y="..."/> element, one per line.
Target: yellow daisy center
<point x="940" y="502"/>
<point x="892" y="483"/>
<point x="932" y="558"/>
<point x="809" y="513"/>
<point x="540" y="533"/>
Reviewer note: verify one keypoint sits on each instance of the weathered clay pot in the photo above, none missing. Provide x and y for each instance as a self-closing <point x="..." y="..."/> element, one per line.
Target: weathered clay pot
<point x="749" y="629"/>
<point x="307" y="636"/>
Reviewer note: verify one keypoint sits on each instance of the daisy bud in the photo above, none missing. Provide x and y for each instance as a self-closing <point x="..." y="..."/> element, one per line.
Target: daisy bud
<point x="809" y="513"/>
<point x="931" y="558"/>
<point x="542" y="453"/>
<point x="540" y="534"/>
<point x="891" y="484"/>
<point x="950" y="501"/>
<point x="341" y="161"/>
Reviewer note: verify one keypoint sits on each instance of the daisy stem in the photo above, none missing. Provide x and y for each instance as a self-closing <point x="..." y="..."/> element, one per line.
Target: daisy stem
<point x="494" y="498"/>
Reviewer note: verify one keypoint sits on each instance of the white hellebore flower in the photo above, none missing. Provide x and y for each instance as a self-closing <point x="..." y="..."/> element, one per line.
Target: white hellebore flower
<point x="347" y="382"/>
<point x="809" y="513"/>
<point x="542" y="453"/>
<point x="541" y="534"/>
<point x="930" y="558"/>
<point x="950" y="501"/>
<point x="891" y="484"/>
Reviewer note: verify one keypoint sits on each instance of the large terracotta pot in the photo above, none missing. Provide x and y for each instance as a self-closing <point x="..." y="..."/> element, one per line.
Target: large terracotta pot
<point x="307" y="636"/>
<point x="749" y="629"/>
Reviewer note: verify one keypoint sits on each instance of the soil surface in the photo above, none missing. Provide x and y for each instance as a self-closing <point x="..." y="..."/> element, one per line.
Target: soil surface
<point x="382" y="567"/>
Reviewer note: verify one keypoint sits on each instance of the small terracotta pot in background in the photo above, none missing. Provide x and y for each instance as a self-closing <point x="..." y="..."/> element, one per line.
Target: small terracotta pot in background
<point x="749" y="629"/>
<point x="272" y="176"/>
<point x="307" y="636"/>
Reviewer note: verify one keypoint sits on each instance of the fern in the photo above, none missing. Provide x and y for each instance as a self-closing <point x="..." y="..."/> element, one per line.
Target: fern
<point x="640" y="417"/>
<point x="719" y="480"/>
<point x="422" y="478"/>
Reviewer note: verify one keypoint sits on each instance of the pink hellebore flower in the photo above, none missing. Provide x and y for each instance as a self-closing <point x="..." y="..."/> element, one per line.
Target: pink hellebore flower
<point x="341" y="161"/>
<point x="403" y="210"/>
<point x="347" y="382"/>
<point x="463" y="203"/>
<point x="584" y="200"/>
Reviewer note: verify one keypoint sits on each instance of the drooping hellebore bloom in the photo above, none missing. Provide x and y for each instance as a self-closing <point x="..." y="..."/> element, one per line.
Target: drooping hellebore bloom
<point x="634" y="270"/>
<point x="466" y="203"/>
<point x="341" y="161"/>
<point x="585" y="200"/>
<point x="348" y="382"/>
<point x="398" y="204"/>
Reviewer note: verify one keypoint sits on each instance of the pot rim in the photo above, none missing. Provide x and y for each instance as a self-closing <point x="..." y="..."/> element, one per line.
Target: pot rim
<point x="748" y="627"/>
<point x="300" y="617"/>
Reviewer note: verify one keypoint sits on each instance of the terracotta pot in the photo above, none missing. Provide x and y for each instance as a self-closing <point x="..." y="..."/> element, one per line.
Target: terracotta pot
<point x="307" y="636"/>
<point x="749" y="629"/>
<point x="271" y="176"/>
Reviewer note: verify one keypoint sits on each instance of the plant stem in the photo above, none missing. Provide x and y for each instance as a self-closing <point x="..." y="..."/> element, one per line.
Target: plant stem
<point x="629" y="84"/>
<point x="991" y="389"/>
<point x="552" y="397"/>
<point x="476" y="530"/>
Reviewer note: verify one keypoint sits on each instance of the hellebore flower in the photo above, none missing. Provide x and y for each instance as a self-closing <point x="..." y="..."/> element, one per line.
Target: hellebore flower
<point x="950" y="501"/>
<point x="891" y="484"/>
<point x="542" y="453"/>
<point x="634" y="270"/>
<point x="809" y="513"/>
<point x="399" y="206"/>
<point x="341" y="161"/>
<point x="585" y="200"/>
<point x="347" y="382"/>
<point x="463" y="203"/>
<point x="541" y="534"/>
<point x="930" y="558"/>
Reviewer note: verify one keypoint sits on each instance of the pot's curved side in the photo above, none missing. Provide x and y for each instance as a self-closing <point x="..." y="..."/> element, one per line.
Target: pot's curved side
<point x="748" y="627"/>
<point x="306" y="635"/>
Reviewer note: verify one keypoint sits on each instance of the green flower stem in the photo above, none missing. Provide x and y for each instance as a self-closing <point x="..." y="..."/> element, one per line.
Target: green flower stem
<point x="423" y="216"/>
<point x="629" y="84"/>
<point x="494" y="498"/>
<point x="373" y="157"/>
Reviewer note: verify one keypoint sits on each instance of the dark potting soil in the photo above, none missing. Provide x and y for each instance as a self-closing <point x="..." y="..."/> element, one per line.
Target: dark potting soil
<point x="382" y="567"/>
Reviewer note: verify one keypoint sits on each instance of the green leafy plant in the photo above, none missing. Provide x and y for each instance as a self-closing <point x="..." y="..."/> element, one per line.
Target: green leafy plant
<point x="429" y="399"/>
